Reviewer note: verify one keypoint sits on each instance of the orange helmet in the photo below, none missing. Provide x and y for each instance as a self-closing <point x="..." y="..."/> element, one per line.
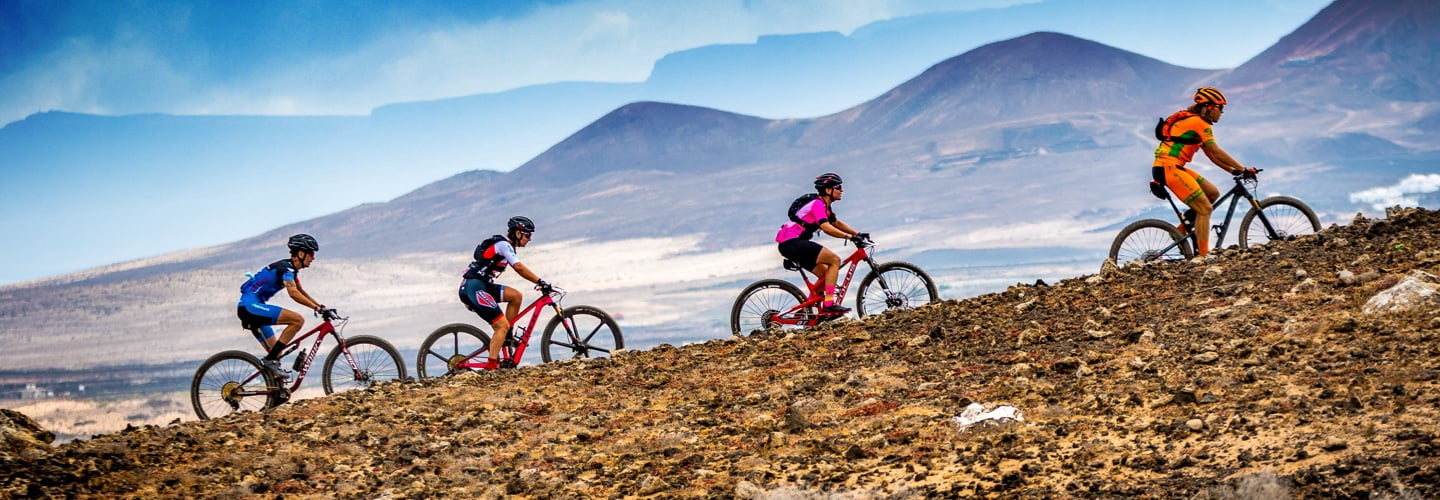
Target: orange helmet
<point x="1209" y="95"/>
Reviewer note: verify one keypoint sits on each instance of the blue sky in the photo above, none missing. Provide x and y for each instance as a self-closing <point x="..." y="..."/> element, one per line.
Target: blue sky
<point x="311" y="57"/>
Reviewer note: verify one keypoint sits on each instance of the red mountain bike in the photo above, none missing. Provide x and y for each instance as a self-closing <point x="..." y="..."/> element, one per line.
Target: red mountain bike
<point x="587" y="333"/>
<point x="234" y="381"/>
<point x="772" y="302"/>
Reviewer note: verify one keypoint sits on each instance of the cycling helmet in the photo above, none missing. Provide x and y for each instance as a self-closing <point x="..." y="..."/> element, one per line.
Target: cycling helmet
<point x="303" y="242"/>
<point x="520" y="223"/>
<point x="828" y="180"/>
<point x="1209" y="95"/>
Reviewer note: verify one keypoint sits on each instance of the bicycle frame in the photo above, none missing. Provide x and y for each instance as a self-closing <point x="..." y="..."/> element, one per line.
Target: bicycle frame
<point x="325" y="328"/>
<point x="797" y="315"/>
<point x="534" y="311"/>
<point x="1234" y="195"/>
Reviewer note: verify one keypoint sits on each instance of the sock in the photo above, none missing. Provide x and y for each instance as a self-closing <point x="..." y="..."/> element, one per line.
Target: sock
<point x="274" y="353"/>
<point x="1204" y="247"/>
<point x="829" y="296"/>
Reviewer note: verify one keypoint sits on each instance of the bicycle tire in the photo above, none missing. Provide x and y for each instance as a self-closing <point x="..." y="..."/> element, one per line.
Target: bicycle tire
<point x="760" y="301"/>
<point x="604" y="338"/>
<point x="435" y="360"/>
<point x="910" y="285"/>
<point x="1289" y="216"/>
<point x="1144" y="239"/>
<point x="377" y="360"/>
<point x="224" y="374"/>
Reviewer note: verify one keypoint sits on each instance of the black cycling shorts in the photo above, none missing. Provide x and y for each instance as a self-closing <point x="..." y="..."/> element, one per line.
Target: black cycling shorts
<point x="483" y="297"/>
<point x="802" y="251"/>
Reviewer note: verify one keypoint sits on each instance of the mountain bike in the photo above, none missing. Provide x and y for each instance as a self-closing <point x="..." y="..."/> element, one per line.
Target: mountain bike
<point x="233" y="381"/>
<point x="773" y="302"/>
<point x="587" y="332"/>
<point x="1278" y="217"/>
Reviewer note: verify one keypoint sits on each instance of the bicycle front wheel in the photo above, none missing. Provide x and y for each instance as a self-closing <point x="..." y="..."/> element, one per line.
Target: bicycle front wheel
<point x="902" y="285"/>
<point x="1149" y="240"/>
<point x="1288" y="216"/>
<point x="447" y="347"/>
<point x="588" y="333"/>
<point x="758" y="305"/>
<point x="375" y="361"/>
<point x="232" y="381"/>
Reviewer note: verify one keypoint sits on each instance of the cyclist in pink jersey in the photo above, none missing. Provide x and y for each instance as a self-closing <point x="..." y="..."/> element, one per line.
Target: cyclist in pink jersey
<point x="808" y="214"/>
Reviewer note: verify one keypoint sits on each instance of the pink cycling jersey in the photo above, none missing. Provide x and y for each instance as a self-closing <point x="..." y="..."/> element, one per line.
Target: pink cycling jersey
<point x="813" y="212"/>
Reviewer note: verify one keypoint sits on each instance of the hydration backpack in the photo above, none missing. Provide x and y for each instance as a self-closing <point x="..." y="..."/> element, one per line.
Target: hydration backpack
<point x="483" y="267"/>
<point x="1162" y="129"/>
<point x="810" y="227"/>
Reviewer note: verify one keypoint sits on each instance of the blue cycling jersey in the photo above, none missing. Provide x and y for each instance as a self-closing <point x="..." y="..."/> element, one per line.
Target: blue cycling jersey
<point x="265" y="283"/>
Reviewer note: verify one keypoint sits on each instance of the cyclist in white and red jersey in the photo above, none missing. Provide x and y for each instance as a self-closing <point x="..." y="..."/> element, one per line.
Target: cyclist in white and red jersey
<point x="808" y="214"/>
<point x="481" y="294"/>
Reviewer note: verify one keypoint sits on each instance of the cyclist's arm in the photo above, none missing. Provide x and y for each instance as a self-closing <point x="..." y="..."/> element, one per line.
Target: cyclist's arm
<point x="1220" y="158"/>
<point x="299" y="296"/>
<point x="525" y="272"/>
<point x="842" y="226"/>
<point x="835" y="229"/>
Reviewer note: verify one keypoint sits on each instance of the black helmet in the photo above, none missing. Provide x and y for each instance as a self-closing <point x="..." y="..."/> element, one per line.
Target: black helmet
<point x="828" y="180"/>
<point x="303" y="242"/>
<point x="520" y="223"/>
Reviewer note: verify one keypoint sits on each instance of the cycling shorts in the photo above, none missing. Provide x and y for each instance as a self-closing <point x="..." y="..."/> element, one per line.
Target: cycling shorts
<point x="483" y="297"/>
<point x="801" y="251"/>
<point x="257" y="317"/>
<point x="1185" y="183"/>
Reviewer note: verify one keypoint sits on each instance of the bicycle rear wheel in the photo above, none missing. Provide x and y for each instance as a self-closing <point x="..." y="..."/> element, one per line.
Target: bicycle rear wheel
<point x="588" y="333"/>
<point x="233" y="381"/>
<point x="1288" y="216"/>
<point x="905" y="286"/>
<point x="375" y="359"/>
<point x="449" y="345"/>
<point x="758" y="305"/>
<point x="1149" y="240"/>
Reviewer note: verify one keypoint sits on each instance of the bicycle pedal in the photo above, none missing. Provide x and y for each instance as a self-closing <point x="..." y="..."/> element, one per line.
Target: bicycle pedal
<point x="506" y="364"/>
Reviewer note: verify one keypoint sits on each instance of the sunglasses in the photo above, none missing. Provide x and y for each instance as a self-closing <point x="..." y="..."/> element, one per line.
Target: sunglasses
<point x="1220" y="107"/>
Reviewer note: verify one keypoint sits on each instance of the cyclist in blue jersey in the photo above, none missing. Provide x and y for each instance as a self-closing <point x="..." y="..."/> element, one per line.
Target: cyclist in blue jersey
<point x="481" y="294"/>
<point x="258" y="316"/>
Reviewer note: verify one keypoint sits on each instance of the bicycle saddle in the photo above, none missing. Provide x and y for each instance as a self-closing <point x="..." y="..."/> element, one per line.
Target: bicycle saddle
<point x="791" y="265"/>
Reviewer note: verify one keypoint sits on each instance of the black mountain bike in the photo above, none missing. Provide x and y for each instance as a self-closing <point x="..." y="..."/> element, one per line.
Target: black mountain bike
<point x="1270" y="219"/>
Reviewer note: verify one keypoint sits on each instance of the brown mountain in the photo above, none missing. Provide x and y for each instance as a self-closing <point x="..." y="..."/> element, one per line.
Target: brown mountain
<point x="1354" y="53"/>
<point x="1261" y="373"/>
<point x="1035" y="75"/>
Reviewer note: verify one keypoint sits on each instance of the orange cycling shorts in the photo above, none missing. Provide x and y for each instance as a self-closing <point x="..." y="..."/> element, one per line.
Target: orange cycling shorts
<point x="1185" y="183"/>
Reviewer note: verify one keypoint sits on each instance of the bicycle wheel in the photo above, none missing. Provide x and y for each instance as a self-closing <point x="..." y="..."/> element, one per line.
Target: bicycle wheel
<point x="1150" y="240"/>
<point x="757" y="305"/>
<point x="376" y="360"/>
<point x="588" y="333"/>
<point x="224" y="384"/>
<point x="447" y="346"/>
<point x="905" y="286"/>
<point x="1288" y="216"/>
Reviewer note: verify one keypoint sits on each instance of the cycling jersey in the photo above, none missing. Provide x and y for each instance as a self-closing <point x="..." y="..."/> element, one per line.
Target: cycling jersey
<point x="1194" y="129"/>
<point x="264" y="284"/>
<point x="492" y="256"/>
<point x="812" y="213"/>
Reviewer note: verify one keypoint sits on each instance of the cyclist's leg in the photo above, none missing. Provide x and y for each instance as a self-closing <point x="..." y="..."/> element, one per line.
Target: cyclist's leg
<point x="829" y="264"/>
<point x="1190" y="189"/>
<point x="480" y="296"/>
<point x="806" y="253"/>
<point x="512" y="298"/>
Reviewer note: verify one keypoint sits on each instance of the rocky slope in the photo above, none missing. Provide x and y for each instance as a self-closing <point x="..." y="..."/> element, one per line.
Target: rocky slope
<point x="1258" y="373"/>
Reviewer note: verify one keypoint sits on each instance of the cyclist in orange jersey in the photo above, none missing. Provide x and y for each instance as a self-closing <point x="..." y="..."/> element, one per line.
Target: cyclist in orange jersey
<point x="1182" y="134"/>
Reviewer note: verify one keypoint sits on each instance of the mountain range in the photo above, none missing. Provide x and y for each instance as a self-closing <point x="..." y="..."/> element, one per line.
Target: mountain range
<point x="660" y="211"/>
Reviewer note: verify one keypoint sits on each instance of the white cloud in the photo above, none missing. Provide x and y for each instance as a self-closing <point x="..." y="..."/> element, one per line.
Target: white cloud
<point x="1405" y="193"/>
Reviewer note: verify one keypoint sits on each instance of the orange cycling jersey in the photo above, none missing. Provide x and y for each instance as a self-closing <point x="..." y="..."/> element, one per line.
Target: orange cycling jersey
<point x="1174" y="154"/>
